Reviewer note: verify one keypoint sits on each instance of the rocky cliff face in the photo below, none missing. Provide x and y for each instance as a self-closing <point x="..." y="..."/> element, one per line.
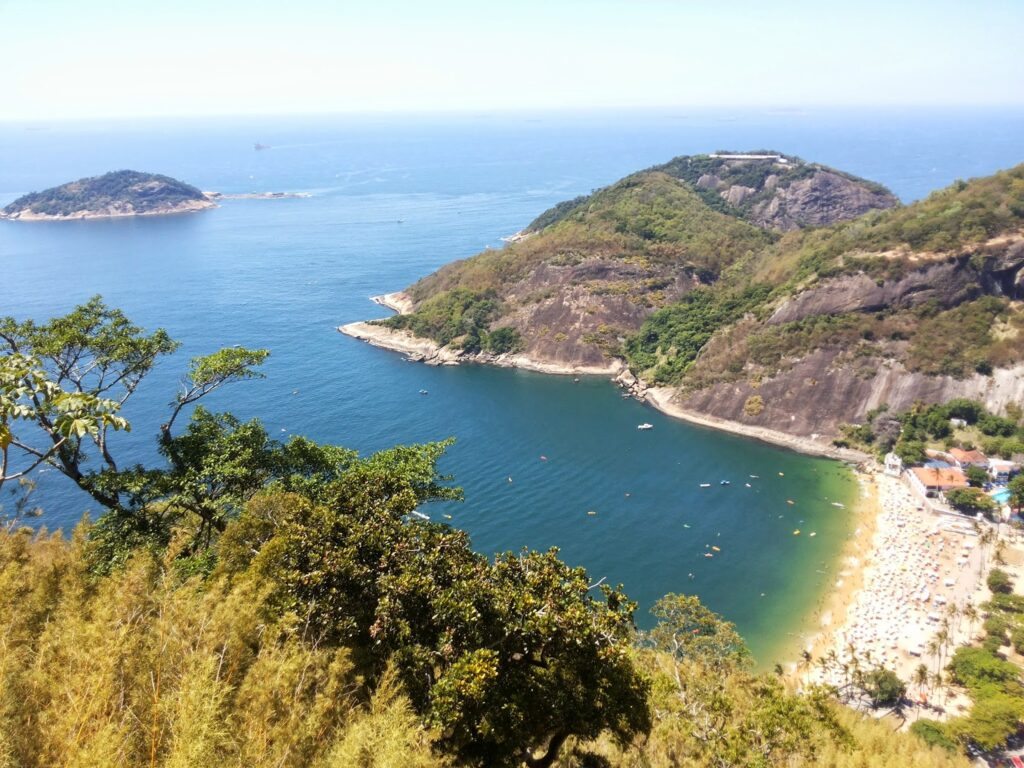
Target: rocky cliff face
<point x="797" y="333"/>
<point x="778" y="192"/>
<point x="823" y="390"/>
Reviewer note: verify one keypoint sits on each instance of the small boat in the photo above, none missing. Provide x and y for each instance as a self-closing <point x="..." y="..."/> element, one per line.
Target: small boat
<point x="790" y="502"/>
<point x="543" y="458"/>
<point x="716" y="548"/>
<point x="812" y="533"/>
<point x="424" y="392"/>
<point x="723" y="482"/>
<point x="447" y="517"/>
<point x="782" y="474"/>
<point x="645" y="425"/>
<point x="837" y="504"/>
<point x="756" y="477"/>
<point x="747" y="484"/>
<point x="708" y="554"/>
<point x="686" y="525"/>
<point x="591" y="512"/>
<point x="796" y="532"/>
<point x="420" y="515"/>
<point x="257" y="146"/>
<point x="705" y="485"/>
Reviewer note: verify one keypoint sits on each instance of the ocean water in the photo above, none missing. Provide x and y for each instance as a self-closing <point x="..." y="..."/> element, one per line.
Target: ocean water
<point x="394" y="198"/>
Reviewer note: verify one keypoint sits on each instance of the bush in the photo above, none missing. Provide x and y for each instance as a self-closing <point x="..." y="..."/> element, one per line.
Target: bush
<point x="934" y="734"/>
<point x="884" y="688"/>
<point x="1000" y="581"/>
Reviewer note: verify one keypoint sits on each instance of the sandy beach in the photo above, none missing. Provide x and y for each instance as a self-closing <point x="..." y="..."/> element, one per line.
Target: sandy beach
<point x="906" y="574"/>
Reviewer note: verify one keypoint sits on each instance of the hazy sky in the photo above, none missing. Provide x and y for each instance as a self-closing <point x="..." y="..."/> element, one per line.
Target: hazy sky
<point x="105" y="58"/>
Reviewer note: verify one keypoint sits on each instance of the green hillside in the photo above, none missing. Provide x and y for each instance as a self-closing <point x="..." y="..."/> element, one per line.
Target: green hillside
<point x="122" y="190"/>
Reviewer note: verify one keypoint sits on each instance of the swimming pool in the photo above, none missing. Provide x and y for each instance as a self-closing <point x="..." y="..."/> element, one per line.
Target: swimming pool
<point x="1002" y="495"/>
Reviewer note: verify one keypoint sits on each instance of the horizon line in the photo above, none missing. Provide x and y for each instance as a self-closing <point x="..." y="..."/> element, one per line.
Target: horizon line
<point x="524" y="110"/>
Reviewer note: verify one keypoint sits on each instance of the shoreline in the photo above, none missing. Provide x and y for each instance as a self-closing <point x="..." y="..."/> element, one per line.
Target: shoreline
<point x="424" y="350"/>
<point x="819" y="633"/>
<point x="195" y="207"/>
<point x="661" y="399"/>
<point x="902" y="573"/>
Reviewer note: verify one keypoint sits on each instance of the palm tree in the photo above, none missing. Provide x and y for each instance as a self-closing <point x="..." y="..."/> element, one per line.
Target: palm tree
<point x="986" y="537"/>
<point x="971" y="614"/>
<point x="953" y="614"/>
<point x="804" y="664"/>
<point x="920" y="679"/>
<point x="933" y="650"/>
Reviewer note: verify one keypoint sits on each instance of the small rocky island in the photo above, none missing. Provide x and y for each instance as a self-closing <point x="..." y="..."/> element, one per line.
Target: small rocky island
<point x="118" y="193"/>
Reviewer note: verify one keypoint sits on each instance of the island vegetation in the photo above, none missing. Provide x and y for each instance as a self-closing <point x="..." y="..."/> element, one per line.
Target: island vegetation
<point x="118" y="193"/>
<point x="245" y="601"/>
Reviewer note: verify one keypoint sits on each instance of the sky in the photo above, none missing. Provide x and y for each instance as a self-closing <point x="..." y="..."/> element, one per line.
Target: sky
<point x="72" y="59"/>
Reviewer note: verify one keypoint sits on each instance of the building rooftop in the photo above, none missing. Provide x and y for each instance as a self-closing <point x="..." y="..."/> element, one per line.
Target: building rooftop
<point x="942" y="478"/>
<point x="968" y="457"/>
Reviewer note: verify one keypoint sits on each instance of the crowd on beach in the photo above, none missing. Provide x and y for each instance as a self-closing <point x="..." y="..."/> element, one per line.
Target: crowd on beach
<point x="921" y="587"/>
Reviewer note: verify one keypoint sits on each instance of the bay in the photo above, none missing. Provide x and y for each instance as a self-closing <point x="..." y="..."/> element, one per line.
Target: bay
<point x="394" y="197"/>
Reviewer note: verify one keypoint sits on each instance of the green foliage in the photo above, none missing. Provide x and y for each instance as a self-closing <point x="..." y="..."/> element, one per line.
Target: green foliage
<point x="992" y="721"/>
<point x="556" y="213"/>
<point x="999" y="581"/>
<point x="688" y="630"/>
<point x="975" y="668"/>
<point x="670" y="339"/>
<point x="971" y="501"/>
<point x="503" y="340"/>
<point x="910" y="451"/>
<point x="459" y="317"/>
<point x="976" y="476"/>
<point x="884" y="687"/>
<point x="143" y="191"/>
<point x="934" y="734"/>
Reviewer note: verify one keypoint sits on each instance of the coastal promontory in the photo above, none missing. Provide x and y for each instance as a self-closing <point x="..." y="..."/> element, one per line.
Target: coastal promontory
<point x="114" y="194"/>
<point x="752" y="290"/>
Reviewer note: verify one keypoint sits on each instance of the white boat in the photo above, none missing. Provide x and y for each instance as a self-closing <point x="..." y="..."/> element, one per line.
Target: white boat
<point x="705" y="485"/>
<point x="645" y="425"/>
<point x="837" y="504"/>
<point x="420" y="515"/>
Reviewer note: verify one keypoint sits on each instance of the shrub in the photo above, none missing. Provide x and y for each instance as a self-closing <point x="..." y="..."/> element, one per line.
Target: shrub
<point x="999" y="581"/>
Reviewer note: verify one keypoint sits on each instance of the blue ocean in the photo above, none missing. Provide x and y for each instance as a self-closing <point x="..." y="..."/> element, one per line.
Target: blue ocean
<point x="392" y="198"/>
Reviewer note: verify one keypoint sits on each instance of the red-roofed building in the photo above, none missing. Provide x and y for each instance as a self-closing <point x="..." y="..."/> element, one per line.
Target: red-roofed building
<point x="930" y="482"/>
<point x="965" y="459"/>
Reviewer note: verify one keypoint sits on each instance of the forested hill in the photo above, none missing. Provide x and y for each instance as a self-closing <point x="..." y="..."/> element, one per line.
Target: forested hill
<point x="118" y="193"/>
<point x="764" y="187"/>
<point x="760" y="288"/>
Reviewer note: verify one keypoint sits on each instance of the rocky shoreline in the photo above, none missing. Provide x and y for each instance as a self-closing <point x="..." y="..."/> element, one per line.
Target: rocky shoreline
<point x="192" y="206"/>
<point x="423" y="350"/>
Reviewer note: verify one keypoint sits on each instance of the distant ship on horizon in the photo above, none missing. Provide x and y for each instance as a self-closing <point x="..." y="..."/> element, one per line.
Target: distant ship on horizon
<point x="257" y="146"/>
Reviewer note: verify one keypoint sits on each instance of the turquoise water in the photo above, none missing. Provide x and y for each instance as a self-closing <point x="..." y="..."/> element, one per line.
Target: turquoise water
<point x="1002" y="496"/>
<point x="283" y="274"/>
